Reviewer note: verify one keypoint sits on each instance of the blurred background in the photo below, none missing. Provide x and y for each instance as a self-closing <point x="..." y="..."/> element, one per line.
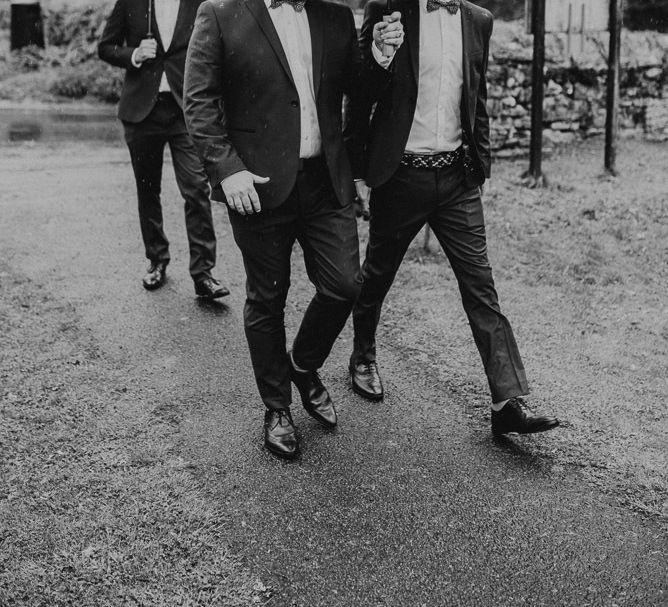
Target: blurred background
<point x="61" y="67"/>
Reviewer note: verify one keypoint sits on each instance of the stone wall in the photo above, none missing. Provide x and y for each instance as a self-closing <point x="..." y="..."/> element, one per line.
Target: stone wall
<point x="575" y="89"/>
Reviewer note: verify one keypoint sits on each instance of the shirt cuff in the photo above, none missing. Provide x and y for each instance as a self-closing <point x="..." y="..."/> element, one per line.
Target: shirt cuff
<point x="381" y="59"/>
<point x="132" y="59"/>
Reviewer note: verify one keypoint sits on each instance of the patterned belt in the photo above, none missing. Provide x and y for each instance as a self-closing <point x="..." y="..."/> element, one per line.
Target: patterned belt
<point x="432" y="161"/>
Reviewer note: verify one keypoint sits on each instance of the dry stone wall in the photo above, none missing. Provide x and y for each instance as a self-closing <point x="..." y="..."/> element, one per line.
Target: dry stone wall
<point x="575" y="87"/>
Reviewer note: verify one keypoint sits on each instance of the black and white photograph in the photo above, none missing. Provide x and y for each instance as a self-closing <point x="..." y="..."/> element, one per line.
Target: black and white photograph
<point x="334" y="303"/>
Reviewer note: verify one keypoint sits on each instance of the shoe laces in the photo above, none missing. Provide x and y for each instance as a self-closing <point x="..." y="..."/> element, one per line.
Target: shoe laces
<point x="283" y="418"/>
<point x="369" y="366"/>
<point x="521" y="404"/>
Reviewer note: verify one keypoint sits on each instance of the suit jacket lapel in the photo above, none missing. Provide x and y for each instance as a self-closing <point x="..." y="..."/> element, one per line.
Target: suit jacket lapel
<point x="467" y="53"/>
<point x="316" y="24"/>
<point x="413" y="35"/>
<point x="259" y="10"/>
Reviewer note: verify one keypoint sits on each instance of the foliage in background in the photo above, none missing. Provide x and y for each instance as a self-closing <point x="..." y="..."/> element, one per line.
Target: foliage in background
<point x="70" y="59"/>
<point x="638" y="14"/>
<point x="70" y="68"/>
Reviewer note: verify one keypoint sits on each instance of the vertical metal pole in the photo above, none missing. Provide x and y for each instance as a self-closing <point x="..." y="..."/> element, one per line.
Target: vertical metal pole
<point x="538" y="28"/>
<point x="568" y="30"/>
<point x="582" y="29"/>
<point x="612" y="101"/>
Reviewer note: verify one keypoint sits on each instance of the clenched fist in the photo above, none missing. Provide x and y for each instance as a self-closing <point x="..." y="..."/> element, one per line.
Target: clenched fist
<point x="388" y="34"/>
<point x="146" y="50"/>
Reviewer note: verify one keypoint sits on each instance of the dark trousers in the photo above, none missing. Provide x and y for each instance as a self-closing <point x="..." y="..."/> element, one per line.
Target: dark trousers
<point x="439" y="198"/>
<point x="327" y="233"/>
<point x="146" y="141"/>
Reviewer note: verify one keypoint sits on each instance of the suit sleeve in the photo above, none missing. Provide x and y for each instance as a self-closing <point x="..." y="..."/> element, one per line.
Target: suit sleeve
<point x="204" y="100"/>
<point x="481" y="124"/>
<point x="112" y="47"/>
<point x="370" y="81"/>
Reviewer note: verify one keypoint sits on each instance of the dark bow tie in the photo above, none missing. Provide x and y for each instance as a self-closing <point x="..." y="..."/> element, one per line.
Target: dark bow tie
<point x="298" y="5"/>
<point x="452" y="6"/>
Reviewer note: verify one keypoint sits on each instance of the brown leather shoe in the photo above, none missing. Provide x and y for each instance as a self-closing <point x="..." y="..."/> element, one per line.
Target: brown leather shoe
<point x="515" y="416"/>
<point x="365" y="380"/>
<point x="156" y="276"/>
<point x="210" y="288"/>
<point x="315" y="398"/>
<point x="280" y="437"/>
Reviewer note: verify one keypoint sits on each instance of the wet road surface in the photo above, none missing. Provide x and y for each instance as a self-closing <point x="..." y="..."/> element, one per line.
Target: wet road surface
<point x="406" y="503"/>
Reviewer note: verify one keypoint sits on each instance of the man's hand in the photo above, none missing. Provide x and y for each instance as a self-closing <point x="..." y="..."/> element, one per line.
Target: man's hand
<point x="146" y="50"/>
<point x="362" y="200"/>
<point x="240" y="192"/>
<point x="389" y="31"/>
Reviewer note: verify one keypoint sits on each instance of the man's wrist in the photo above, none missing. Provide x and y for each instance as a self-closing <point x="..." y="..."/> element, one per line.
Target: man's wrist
<point x="382" y="60"/>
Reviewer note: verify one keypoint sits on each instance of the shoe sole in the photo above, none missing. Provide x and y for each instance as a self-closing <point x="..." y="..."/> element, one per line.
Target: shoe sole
<point x="211" y="297"/>
<point x="155" y="286"/>
<point x="281" y="454"/>
<point x="372" y="397"/>
<point x="543" y="428"/>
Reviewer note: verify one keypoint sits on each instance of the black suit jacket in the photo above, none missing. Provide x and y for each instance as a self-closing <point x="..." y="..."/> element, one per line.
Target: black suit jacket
<point x="241" y="104"/>
<point x="379" y="145"/>
<point x="126" y="27"/>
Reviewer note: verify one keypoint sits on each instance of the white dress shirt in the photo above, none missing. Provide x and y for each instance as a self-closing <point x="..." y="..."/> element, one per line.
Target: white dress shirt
<point x="295" y="36"/>
<point x="437" y="125"/>
<point x="166" y="13"/>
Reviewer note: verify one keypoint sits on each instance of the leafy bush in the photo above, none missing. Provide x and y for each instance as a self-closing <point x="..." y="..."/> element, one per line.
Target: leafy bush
<point x="94" y="78"/>
<point x="75" y="26"/>
<point x="27" y="59"/>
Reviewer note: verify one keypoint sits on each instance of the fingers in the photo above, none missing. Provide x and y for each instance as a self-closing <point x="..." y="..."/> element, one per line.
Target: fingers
<point x="366" y="213"/>
<point x="258" y="179"/>
<point x="234" y="202"/>
<point x="390" y="30"/>
<point x="247" y="204"/>
<point x="392" y="33"/>
<point x="148" y="48"/>
<point x="255" y="201"/>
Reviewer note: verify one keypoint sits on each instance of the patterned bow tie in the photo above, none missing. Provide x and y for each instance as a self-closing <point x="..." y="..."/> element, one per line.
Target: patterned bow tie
<point x="451" y="5"/>
<point x="298" y="5"/>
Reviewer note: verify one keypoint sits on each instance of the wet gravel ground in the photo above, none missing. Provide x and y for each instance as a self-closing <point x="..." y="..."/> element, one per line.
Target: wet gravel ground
<point x="408" y="502"/>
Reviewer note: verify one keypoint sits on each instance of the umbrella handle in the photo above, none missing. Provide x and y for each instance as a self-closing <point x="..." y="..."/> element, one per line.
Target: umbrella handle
<point x="149" y="33"/>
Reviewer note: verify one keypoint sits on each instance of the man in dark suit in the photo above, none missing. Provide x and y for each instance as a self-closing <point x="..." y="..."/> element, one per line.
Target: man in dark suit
<point x="150" y="42"/>
<point x="427" y="155"/>
<point x="264" y="87"/>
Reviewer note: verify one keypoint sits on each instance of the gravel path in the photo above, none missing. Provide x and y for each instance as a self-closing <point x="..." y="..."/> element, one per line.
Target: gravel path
<point x="410" y="502"/>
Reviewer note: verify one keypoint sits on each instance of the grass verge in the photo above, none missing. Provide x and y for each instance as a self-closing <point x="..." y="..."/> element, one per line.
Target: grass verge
<point x="96" y="508"/>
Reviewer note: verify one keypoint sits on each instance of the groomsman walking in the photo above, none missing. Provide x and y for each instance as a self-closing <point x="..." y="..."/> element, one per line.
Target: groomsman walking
<point x="426" y="156"/>
<point x="149" y="38"/>
<point x="265" y="81"/>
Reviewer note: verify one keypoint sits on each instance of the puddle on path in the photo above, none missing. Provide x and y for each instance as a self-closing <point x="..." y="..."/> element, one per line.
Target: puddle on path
<point x="54" y="125"/>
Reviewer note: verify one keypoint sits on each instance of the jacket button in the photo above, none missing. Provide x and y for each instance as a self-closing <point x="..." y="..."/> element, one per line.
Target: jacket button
<point x="294" y="103"/>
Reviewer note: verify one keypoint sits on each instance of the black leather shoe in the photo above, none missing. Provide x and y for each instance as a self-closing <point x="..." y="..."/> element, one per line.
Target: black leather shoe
<point x="365" y="380"/>
<point x="155" y="276"/>
<point x="280" y="437"/>
<point x="210" y="288"/>
<point x="315" y="398"/>
<point x="517" y="417"/>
